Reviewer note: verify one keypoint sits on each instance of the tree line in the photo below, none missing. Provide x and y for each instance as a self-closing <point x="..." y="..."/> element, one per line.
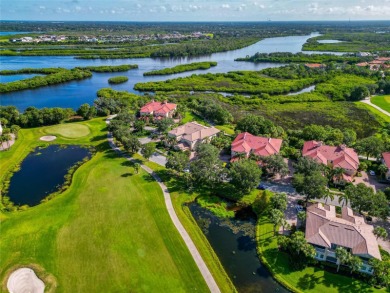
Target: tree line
<point x="182" y="68"/>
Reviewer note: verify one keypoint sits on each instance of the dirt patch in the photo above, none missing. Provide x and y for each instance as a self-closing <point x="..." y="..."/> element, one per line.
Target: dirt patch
<point x="48" y="138"/>
<point x="25" y="280"/>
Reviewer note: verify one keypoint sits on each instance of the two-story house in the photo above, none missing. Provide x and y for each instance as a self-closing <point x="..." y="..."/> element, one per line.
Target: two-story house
<point x="334" y="156"/>
<point x="158" y="109"/>
<point x="247" y="144"/>
<point x="326" y="231"/>
<point x="192" y="134"/>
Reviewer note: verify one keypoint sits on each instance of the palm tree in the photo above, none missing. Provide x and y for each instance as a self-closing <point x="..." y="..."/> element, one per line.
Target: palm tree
<point x="344" y="198"/>
<point x="136" y="167"/>
<point x="380" y="232"/>
<point x="328" y="195"/>
<point x="337" y="175"/>
<point x="277" y="218"/>
<point x="343" y="256"/>
<point x="355" y="263"/>
<point x="382" y="169"/>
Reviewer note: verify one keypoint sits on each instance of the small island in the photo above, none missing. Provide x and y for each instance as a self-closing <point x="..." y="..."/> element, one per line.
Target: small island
<point x="118" y="79"/>
<point x="182" y="68"/>
<point x="110" y="68"/>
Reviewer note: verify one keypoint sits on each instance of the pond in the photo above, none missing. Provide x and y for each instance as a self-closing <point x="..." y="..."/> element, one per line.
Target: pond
<point x="43" y="172"/>
<point x="236" y="251"/>
<point x="75" y="93"/>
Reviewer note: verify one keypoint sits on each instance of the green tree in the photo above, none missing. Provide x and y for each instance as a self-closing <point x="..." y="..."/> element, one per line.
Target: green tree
<point x="299" y="245"/>
<point x="277" y="218"/>
<point x="380" y="232"/>
<point x="131" y="144"/>
<point x="15" y="130"/>
<point x="177" y="161"/>
<point x="136" y="166"/>
<point x="349" y="136"/>
<point x="83" y="111"/>
<point x="311" y="186"/>
<point x="164" y="124"/>
<point x="206" y="169"/>
<point x="343" y="256"/>
<point x="379" y="206"/>
<point x="139" y="125"/>
<point x="355" y="263"/>
<point x="258" y="125"/>
<point x="360" y="196"/>
<point x="279" y="201"/>
<point x="307" y="166"/>
<point x="275" y="164"/>
<point x="147" y="150"/>
<point x="337" y="175"/>
<point x="381" y="272"/>
<point x="382" y="169"/>
<point x="302" y="217"/>
<point x="221" y="141"/>
<point x="359" y="93"/>
<point x="370" y="146"/>
<point x="245" y="175"/>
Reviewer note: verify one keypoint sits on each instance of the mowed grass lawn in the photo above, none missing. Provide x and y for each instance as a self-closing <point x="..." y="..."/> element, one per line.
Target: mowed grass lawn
<point x="382" y="102"/>
<point x="110" y="232"/>
<point x="72" y="130"/>
<point x="310" y="279"/>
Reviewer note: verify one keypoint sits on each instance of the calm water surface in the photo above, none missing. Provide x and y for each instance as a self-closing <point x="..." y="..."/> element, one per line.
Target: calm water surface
<point x="73" y="94"/>
<point x="237" y="253"/>
<point x="43" y="172"/>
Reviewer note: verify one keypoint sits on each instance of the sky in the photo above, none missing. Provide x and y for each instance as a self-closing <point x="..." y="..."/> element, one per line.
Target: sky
<point x="194" y="10"/>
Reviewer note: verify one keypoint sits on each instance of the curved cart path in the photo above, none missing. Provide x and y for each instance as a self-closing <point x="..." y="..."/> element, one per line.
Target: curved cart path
<point x="368" y="102"/>
<point x="208" y="277"/>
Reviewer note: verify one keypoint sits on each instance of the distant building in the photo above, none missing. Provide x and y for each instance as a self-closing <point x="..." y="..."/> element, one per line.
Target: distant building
<point x="326" y="231"/>
<point x="386" y="162"/>
<point x="246" y="143"/>
<point x="315" y="65"/>
<point x="376" y="64"/>
<point x="158" y="109"/>
<point x="333" y="156"/>
<point x="191" y="134"/>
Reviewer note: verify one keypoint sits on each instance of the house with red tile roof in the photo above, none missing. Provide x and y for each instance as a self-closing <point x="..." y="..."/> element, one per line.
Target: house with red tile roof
<point x="326" y="231"/>
<point x="333" y="156"/>
<point x="158" y="109"/>
<point x="386" y="161"/>
<point x="315" y="65"/>
<point x="246" y="143"/>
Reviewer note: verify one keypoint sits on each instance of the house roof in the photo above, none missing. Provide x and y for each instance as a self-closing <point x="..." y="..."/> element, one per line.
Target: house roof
<point x="261" y="146"/>
<point x="323" y="228"/>
<point x="158" y="107"/>
<point x="386" y="158"/>
<point x="339" y="156"/>
<point x="193" y="131"/>
<point x="314" y="65"/>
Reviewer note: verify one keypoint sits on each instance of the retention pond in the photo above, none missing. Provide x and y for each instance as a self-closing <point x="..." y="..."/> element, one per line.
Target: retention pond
<point x="234" y="243"/>
<point x="43" y="172"/>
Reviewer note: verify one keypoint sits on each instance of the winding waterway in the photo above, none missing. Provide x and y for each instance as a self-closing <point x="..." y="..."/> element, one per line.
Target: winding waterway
<point x="75" y="93"/>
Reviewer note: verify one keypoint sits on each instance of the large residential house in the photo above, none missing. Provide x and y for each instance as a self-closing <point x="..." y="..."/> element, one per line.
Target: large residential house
<point x="333" y="156"/>
<point x="191" y="134"/>
<point x="246" y="143"/>
<point x="326" y="231"/>
<point x="386" y="162"/>
<point x="158" y="109"/>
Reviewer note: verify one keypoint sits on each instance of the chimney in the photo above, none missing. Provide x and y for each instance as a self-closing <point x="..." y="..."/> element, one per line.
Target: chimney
<point x="319" y="143"/>
<point x="165" y="102"/>
<point x="343" y="146"/>
<point x="152" y="100"/>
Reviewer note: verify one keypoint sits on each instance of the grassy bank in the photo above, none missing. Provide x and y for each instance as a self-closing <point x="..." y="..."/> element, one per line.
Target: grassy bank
<point x="309" y="279"/>
<point x="98" y="236"/>
<point x="182" y="68"/>
<point x="382" y="102"/>
<point x="180" y="197"/>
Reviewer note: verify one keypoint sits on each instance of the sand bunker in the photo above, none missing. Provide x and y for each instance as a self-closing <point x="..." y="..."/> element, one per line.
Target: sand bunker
<point x="25" y="280"/>
<point x="48" y="138"/>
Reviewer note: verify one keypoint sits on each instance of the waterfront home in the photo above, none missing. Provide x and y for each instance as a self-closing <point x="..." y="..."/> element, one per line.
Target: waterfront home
<point x="191" y="134"/>
<point x="315" y="65"/>
<point x="386" y="162"/>
<point x="326" y="231"/>
<point x="247" y="144"/>
<point x="334" y="156"/>
<point x="158" y="109"/>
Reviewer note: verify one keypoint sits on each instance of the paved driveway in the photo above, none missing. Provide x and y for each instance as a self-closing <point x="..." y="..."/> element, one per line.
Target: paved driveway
<point x="158" y="159"/>
<point x="370" y="181"/>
